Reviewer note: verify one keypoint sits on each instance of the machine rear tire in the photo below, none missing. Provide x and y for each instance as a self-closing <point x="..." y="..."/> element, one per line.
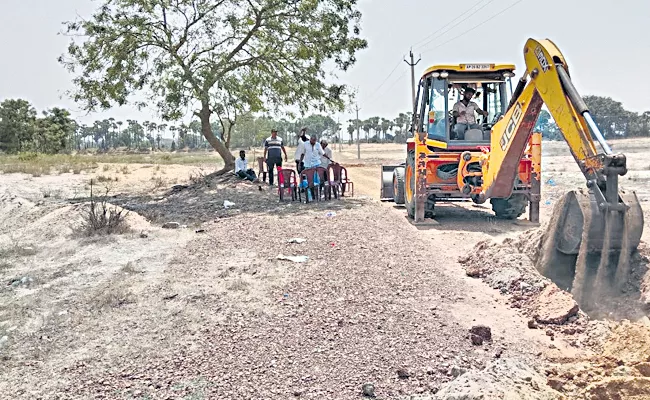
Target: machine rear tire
<point x="398" y="186"/>
<point x="510" y="208"/>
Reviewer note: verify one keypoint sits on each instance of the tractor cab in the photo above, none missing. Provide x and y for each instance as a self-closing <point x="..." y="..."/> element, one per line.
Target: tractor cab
<point x="443" y="86"/>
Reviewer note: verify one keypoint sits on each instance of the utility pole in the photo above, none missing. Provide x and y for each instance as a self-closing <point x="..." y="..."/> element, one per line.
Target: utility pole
<point x="412" y="65"/>
<point x="338" y="132"/>
<point x="358" y="141"/>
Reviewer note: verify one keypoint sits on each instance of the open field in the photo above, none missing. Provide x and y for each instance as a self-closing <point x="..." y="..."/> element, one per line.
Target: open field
<point x="208" y="309"/>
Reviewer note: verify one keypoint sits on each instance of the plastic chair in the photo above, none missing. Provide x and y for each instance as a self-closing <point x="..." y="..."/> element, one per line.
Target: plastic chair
<point x="307" y="184"/>
<point x="262" y="169"/>
<point x="339" y="177"/>
<point x="287" y="180"/>
<point x="325" y="184"/>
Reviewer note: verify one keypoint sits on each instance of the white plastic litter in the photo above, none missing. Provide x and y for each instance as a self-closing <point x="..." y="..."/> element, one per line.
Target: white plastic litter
<point x="227" y="204"/>
<point x="297" y="240"/>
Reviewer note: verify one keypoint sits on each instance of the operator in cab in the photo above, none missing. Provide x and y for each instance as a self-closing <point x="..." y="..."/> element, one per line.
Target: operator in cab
<point x="463" y="111"/>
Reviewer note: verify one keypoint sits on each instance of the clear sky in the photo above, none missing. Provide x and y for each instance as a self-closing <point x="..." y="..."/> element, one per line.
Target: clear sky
<point x="605" y="42"/>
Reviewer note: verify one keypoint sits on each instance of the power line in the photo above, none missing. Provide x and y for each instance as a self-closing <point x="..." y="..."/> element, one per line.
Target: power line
<point x="473" y="28"/>
<point x="453" y="26"/>
<point x="386" y="79"/>
<point x="447" y="24"/>
<point x="372" y="101"/>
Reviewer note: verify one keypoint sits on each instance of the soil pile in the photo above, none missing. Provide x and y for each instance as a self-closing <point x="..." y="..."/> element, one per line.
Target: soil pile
<point x="508" y="268"/>
<point x="501" y="379"/>
<point x="615" y="359"/>
<point x="619" y="370"/>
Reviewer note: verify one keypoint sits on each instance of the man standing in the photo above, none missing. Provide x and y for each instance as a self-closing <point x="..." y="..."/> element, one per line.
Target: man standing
<point x="273" y="149"/>
<point x="464" y="112"/>
<point x="311" y="154"/>
<point x="326" y="158"/>
<point x="302" y="138"/>
<point x="241" y="168"/>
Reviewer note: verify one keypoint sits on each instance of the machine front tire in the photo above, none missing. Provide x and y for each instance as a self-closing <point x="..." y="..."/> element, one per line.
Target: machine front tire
<point x="510" y="208"/>
<point x="409" y="187"/>
<point x="398" y="186"/>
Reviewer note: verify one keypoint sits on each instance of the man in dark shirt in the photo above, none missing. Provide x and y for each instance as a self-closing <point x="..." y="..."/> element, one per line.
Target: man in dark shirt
<point x="273" y="149"/>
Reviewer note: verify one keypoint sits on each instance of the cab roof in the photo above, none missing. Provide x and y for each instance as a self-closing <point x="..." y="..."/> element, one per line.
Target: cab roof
<point x="474" y="67"/>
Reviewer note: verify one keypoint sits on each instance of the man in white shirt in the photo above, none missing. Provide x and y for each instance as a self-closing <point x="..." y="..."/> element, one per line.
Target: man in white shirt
<point x="311" y="154"/>
<point x="241" y="168"/>
<point x="464" y="112"/>
<point x="326" y="158"/>
<point x="302" y="138"/>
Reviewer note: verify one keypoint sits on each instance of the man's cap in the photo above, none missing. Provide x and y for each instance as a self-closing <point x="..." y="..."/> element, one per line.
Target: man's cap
<point x="470" y="89"/>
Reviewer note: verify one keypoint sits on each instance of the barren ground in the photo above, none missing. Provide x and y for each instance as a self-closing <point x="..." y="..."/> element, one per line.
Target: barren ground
<point x="208" y="311"/>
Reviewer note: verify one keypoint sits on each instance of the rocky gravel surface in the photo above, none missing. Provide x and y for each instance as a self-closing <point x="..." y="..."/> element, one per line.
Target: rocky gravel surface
<point x="225" y="318"/>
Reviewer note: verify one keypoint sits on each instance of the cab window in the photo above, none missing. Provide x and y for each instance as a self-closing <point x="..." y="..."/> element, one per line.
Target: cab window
<point x="436" y="121"/>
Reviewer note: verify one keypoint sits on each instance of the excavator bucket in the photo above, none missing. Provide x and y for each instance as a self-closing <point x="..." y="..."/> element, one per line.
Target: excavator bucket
<point x="586" y="250"/>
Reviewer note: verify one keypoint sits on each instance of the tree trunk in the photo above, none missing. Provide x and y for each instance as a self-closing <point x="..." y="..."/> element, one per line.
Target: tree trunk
<point x="219" y="146"/>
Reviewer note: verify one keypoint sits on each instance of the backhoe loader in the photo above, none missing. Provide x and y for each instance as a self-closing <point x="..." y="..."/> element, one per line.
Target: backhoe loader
<point x="593" y="231"/>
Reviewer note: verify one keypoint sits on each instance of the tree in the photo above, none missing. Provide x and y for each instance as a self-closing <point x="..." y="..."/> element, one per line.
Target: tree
<point x="17" y="118"/>
<point x="54" y="130"/>
<point x="402" y="122"/>
<point x="319" y="125"/>
<point x="385" y="125"/>
<point x="202" y="54"/>
<point x="611" y="117"/>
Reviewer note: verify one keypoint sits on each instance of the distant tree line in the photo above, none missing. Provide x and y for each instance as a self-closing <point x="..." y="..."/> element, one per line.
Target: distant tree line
<point x="612" y="119"/>
<point x="23" y="129"/>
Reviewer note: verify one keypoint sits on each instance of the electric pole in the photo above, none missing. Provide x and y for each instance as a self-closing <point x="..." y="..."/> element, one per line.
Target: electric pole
<point x="358" y="141"/>
<point x="412" y="65"/>
<point x="338" y="132"/>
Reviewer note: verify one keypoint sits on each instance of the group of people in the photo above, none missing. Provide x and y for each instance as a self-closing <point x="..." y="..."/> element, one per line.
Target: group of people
<point x="309" y="154"/>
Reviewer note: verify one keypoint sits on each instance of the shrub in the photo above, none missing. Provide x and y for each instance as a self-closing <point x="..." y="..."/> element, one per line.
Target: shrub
<point x="103" y="218"/>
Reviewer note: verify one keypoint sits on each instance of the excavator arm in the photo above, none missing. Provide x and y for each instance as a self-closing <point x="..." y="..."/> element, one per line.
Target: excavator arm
<point x="546" y="81"/>
<point x="599" y="227"/>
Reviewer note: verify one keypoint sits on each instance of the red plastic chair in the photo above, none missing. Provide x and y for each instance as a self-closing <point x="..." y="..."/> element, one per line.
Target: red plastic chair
<point x="339" y="178"/>
<point x="287" y="180"/>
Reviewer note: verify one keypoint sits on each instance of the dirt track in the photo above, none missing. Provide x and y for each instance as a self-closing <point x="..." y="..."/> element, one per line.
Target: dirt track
<point x="159" y="313"/>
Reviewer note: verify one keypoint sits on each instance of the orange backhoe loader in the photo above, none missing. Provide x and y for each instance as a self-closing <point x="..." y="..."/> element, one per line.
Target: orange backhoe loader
<point x="453" y="157"/>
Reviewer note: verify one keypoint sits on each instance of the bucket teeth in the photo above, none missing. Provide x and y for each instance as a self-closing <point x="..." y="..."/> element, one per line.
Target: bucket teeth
<point x="586" y="250"/>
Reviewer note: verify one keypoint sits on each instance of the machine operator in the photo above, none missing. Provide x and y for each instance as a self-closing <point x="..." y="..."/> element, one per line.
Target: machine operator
<point x="463" y="111"/>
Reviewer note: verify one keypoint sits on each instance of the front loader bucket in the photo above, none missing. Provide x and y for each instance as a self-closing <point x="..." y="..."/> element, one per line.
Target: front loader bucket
<point x="587" y="251"/>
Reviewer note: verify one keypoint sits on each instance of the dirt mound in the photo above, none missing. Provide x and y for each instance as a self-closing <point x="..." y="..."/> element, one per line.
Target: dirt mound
<point x="502" y="379"/>
<point x="513" y="267"/>
<point x="52" y="223"/>
<point x="616" y="359"/>
<point x="619" y="370"/>
<point x="506" y="268"/>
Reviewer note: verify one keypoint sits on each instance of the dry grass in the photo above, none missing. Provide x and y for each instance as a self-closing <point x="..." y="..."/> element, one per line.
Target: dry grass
<point x="129" y="268"/>
<point x="102" y="218"/>
<point x="113" y="297"/>
<point x="158" y="182"/>
<point x="42" y="164"/>
<point x="51" y="193"/>
<point x="104" y="178"/>
<point x="15" y="249"/>
<point x="237" y="285"/>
